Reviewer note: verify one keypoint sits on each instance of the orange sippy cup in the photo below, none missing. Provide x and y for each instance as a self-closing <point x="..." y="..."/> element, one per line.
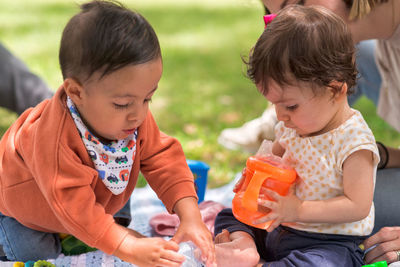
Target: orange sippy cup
<point x="261" y="171"/>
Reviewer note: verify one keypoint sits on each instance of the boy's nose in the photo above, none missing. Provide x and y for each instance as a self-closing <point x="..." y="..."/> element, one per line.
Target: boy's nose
<point x="132" y="116"/>
<point x="137" y="115"/>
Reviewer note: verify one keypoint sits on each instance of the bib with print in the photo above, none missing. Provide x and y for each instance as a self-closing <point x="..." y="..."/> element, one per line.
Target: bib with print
<point x="112" y="161"/>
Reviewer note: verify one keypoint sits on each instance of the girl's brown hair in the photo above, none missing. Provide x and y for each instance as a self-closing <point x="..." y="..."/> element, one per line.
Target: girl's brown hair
<point x="303" y="44"/>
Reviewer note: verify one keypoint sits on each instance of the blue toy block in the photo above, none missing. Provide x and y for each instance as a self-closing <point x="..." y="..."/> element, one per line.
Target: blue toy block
<point x="200" y="173"/>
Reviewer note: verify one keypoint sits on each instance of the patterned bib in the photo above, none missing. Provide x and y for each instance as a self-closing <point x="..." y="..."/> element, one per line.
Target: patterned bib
<point x="112" y="161"/>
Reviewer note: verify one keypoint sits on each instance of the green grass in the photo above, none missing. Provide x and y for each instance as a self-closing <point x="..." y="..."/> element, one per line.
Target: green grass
<point x="203" y="89"/>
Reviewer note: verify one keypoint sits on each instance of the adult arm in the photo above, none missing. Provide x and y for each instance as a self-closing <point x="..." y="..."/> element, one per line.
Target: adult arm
<point x="386" y="233"/>
<point x="19" y="87"/>
<point x="380" y="23"/>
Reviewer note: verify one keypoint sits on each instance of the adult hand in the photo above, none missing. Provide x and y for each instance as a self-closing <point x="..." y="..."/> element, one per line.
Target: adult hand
<point x="387" y="242"/>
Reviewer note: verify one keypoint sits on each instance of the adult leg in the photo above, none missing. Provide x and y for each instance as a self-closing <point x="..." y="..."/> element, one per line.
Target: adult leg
<point x="369" y="81"/>
<point x="21" y="243"/>
<point x="19" y="88"/>
<point x="387" y="198"/>
<point x="249" y="136"/>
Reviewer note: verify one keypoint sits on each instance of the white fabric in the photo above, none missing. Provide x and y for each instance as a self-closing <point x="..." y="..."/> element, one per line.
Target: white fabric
<point x="318" y="161"/>
<point x="112" y="161"/>
<point x="388" y="62"/>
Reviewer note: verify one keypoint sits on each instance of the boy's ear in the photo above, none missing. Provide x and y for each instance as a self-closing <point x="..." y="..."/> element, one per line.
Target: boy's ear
<point x="73" y="89"/>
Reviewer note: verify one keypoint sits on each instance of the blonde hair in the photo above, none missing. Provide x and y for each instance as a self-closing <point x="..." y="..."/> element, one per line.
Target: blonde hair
<point x="360" y="8"/>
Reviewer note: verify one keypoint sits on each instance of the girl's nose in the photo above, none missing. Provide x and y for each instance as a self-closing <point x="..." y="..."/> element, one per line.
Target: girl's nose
<point x="281" y="115"/>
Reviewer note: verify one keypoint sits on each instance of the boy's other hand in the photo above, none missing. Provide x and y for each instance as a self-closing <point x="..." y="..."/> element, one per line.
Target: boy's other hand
<point x="192" y="228"/>
<point x="198" y="233"/>
<point x="149" y="251"/>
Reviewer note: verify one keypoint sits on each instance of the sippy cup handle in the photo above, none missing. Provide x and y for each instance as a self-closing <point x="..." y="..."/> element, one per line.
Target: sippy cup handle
<point x="250" y="196"/>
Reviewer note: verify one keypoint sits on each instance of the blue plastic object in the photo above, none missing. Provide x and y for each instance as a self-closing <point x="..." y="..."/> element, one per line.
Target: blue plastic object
<point x="200" y="173"/>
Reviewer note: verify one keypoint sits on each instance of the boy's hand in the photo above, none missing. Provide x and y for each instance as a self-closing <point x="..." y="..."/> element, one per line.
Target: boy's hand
<point x="149" y="251"/>
<point x="192" y="228"/>
<point x="200" y="236"/>
<point x="282" y="208"/>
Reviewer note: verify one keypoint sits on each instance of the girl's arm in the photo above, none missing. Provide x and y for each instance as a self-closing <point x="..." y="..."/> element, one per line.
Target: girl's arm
<point x="355" y="204"/>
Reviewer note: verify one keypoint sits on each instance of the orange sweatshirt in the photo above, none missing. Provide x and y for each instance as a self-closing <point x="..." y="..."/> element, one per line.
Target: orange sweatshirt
<point x="48" y="181"/>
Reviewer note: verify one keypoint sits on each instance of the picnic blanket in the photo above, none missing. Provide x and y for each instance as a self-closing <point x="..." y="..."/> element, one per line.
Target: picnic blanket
<point x="144" y="205"/>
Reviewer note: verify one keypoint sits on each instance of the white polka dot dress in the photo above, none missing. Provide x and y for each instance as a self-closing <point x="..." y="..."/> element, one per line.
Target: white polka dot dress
<point x="318" y="161"/>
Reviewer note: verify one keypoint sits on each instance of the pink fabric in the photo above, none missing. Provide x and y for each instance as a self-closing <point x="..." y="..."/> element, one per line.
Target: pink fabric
<point x="166" y="224"/>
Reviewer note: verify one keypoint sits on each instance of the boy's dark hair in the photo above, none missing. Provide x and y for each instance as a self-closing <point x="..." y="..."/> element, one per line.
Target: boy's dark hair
<point x="306" y="44"/>
<point x="105" y="36"/>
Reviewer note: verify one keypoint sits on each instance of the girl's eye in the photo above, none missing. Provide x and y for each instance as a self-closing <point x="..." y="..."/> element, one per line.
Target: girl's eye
<point x="148" y="100"/>
<point x="118" y="106"/>
<point x="291" y="107"/>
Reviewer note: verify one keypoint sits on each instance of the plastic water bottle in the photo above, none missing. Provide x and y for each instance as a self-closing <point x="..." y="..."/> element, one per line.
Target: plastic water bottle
<point x="188" y="250"/>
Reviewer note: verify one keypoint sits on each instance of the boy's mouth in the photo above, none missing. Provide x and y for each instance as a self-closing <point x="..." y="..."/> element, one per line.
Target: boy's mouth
<point x="129" y="131"/>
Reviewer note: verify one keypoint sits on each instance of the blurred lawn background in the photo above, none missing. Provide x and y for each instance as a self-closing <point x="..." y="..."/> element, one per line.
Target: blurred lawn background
<point x="203" y="89"/>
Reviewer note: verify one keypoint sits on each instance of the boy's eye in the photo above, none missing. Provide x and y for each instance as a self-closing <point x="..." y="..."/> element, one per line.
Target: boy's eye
<point x="293" y="107"/>
<point x="118" y="106"/>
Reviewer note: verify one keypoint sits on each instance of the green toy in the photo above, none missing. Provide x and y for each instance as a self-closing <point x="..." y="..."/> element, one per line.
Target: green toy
<point x="377" y="264"/>
<point x="43" y="263"/>
<point x="39" y="263"/>
<point x="73" y="246"/>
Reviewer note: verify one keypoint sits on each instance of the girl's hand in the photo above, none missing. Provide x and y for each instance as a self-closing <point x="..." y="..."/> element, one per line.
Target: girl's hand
<point x="222" y="237"/>
<point x="197" y="232"/>
<point x="282" y="208"/>
<point x="239" y="183"/>
<point x="386" y="242"/>
<point x="149" y="252"/>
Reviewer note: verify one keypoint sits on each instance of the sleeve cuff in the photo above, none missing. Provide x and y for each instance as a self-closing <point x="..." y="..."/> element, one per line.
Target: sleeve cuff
<point x="112" y="238"/>
<point x="185" y="189"/>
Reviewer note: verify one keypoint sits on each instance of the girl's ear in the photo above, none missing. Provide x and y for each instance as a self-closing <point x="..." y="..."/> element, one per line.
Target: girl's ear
<point x="341" y="92"/>
<point x="344" y="89"/>
<point x="73" y="89"/>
